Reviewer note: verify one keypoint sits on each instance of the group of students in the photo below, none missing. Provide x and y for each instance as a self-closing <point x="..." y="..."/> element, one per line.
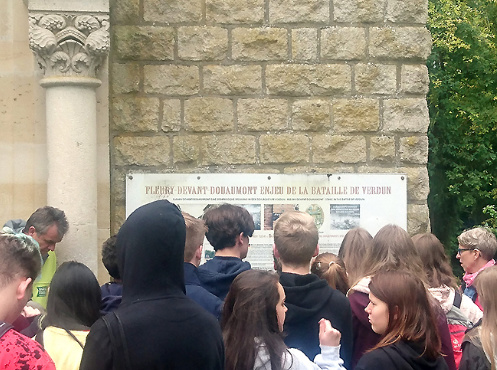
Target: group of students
<point x="387" y="302"/>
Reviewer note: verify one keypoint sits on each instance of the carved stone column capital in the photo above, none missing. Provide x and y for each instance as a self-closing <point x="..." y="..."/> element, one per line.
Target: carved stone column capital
<point x="69" y="44"/>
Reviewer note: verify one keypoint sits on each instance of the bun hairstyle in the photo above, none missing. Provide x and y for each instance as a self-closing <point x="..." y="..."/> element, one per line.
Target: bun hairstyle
<point x="331" y="268"/>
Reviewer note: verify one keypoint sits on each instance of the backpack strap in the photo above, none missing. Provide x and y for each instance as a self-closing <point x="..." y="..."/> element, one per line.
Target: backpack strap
<point x="4" y="328"/>
<point x="457" y="299"/>
<point x="118" y="342"/>
<point x="74" y="337"/>
<point x="39" y="337"/>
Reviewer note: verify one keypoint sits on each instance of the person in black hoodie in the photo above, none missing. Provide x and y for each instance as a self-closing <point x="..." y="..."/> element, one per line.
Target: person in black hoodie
<point x="400" y="311"/>
<point x="229" y="229"/>
<point x="156" y="326"/>
<point x="308" y="297"/>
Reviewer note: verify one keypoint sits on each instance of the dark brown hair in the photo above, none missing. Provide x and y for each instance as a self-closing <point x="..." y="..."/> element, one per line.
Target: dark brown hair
<point x="249" y="313"/>
<point x="74" y="299"/>
<point x="225" y="223"/>
<point x="435" y="261"/>
<point x="411" y="316"/>
<point x="109" y="257"/>
<point x="331" y="268"/>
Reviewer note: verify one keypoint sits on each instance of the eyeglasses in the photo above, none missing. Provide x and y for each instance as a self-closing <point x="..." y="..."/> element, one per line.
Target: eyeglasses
<point x="460" y="250"/>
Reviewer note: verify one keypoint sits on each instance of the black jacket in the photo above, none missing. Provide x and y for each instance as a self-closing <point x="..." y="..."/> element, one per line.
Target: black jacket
<point x="309" y="299"/>
<point x="473" y="355"/>
<point x="163" y="328"/>
<point x="400" y="356"/>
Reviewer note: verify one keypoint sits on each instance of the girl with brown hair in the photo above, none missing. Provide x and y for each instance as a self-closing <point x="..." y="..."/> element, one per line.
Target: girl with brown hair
<point x="353" y="251"/>
<point x="391" y="250"/>
<point x="400" y="311"/>
<point x="253" y="317"/>
<point x="331" y="268"/>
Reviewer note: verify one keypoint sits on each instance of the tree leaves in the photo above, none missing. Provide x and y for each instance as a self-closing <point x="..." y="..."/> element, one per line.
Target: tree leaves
<point x="463" y="114"/>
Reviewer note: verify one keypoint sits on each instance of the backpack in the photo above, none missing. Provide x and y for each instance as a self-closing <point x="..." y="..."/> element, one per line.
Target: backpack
<point x="458" y="325"/>
<point x="4" y="328"/>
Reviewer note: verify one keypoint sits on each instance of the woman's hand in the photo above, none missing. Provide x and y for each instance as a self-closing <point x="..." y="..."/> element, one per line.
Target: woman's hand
<point x="328" y="335"/>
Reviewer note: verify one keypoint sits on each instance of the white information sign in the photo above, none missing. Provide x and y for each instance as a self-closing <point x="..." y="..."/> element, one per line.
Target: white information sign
<point x="338" y="202"/>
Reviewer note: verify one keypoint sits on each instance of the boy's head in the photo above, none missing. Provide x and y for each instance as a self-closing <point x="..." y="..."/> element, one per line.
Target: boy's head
<point x="225" y="223"/>
<point x="109" y="257"/>
<point x="296" y="238"/>
<point x="20" y="264"/>
<point x="195" y="233"/>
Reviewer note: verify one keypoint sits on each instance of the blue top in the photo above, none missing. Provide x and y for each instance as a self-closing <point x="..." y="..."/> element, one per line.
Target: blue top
<point x="199" y="294"/>
<point x="217" y="274"/>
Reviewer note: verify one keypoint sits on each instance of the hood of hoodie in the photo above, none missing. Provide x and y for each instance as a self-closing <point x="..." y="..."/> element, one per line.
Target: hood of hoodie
<point x="111" y="297"/>
<point x="217" y="274"/>
<point x="17" y="225"/>
<point x="150" y="247"/>
<point x="445" y="296"/>
<point x="407" y="355"/>
<point x="305" y="295"/>
<point x="361" y="286"/>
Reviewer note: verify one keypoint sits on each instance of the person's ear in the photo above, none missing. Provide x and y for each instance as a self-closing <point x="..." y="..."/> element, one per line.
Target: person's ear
<point x="198" y="252"/>
<point x="316" y="252"/>
<point x="275" y="252"/>
<point x="24" y="285"/>
<point x="31" y="230"/>
<point x="239" y="239"/>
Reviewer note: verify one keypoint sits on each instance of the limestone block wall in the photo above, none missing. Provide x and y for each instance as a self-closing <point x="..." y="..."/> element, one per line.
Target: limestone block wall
<point x="276" y="86"/>
<point x="22" y="116"/>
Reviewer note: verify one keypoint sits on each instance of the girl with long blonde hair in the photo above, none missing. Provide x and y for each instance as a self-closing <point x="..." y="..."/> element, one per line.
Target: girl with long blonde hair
<point x="479" y="346"/>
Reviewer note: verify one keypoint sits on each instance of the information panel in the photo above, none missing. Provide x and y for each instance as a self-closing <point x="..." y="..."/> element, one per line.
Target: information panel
<point x="338" y="202"/>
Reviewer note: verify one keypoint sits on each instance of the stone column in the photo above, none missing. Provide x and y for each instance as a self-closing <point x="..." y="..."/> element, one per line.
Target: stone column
<point x="70" y="43"/>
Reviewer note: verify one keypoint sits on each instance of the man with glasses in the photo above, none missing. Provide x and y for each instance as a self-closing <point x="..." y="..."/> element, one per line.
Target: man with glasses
<point x="476" y="251"/>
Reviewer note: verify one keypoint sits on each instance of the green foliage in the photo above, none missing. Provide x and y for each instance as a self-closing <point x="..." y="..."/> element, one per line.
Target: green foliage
<point x="491" y="222"/>
<point x="463" y="115"/>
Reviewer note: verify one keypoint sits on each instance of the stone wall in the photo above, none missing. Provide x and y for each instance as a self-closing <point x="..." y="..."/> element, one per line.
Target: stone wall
<point x="270" y="86"/>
